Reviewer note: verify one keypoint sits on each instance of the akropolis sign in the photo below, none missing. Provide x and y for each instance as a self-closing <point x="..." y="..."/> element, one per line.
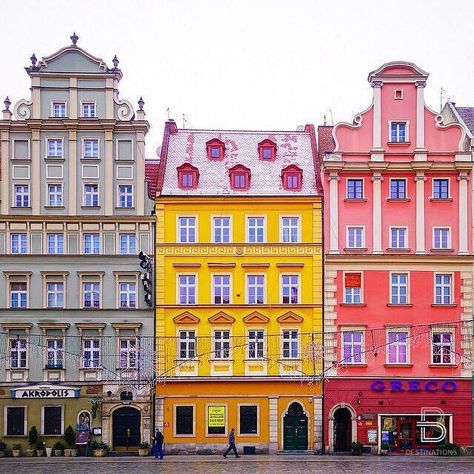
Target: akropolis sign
<point x="45" y="391"/>
<point x="430" y="386"/>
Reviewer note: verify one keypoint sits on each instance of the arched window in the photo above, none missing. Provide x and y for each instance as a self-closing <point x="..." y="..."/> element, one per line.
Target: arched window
<point x="215" y="149"/>
<point x="188" y="176"/>
<point x="292" y="178"/>
<point x="239" y="178"/>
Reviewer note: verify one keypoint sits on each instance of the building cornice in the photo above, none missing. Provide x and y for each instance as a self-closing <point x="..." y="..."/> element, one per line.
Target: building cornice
<point x="412" y="259"/>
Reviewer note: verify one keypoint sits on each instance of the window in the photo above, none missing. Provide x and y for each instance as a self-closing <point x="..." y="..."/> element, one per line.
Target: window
<point x="216" y="419"/>
<point x="125" y="195"/>
<point x="290" y="344"/>
<point x="184" y="420"/>
<point x="443" y="288"/>
<point x="54" y="353"/>
<point x="187" y="344"/>
<point x="248" y="420"/>
<point x="18" y="354"/>
<point x="221" y="344"/>
<point x="290" y="229"/>
<point x="399" y="288"/>
<point x="128" y="244"/>
<point x="52" y="420"/>
<point x="352" y="346"/>
<point x="255" y="345"/>
<point x="292" y="178"/>
<point x="18" y="295"/>
<point x="355" y="237"/>
<point x="221" y="230"/>
<point x="442" y="347"/>
<point x="91" y="244"/>
<point x="441" y="238"/>
<point x="290" y="289"/>
<point x="398" y="94"/>
<point x="55" y="148"/>
<point x="91" y="195"/>
<point x="215" y="149"/>
<point x="239" y="178"/>
<point x="187" y="289"/>
<point x="398" y="132"/>
<point x="188" y="176"/>
<point x="91" y="294"/>
<point x="91" y="148"/>
<point x="55" y="195"/>
<point x="16" y="421"/>
<point x="353" y="288"/>
<point x="128" y="353"/>
<point x="398" y="238"/>
<point x="255" y="289"/>
<point x="18" y="243"/>
<point x="187" y="229"/>
<point x="441" y="188"/>
<point x="55" y="243"/>
<point x="88" y="109"/>
<point x="267" y="150"/>
<point x="59" y="109"/>
<point x="255" y="230"/>
<point x="355" y="189"/>
<point x="221" y="289"/>
<point x="397" y="347"/>
<point x="22" y="195"/>
<point x="55" y="294"/>
<point x="398" y="189"/>
<point x="128" y="295"/>
<point x="91" y="353"/>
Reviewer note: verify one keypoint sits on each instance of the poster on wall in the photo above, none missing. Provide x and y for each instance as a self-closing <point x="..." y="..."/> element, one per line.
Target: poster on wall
<point x="372" y="436"/>
<point x="216" y="416"/>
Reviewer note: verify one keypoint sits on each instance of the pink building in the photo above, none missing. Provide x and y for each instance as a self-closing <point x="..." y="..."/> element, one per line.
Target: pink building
<point x="398" y="281"/>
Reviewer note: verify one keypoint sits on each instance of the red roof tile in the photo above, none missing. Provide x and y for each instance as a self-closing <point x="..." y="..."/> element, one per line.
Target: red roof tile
<point x="151" y="176"/>
<point x="325" y="140"/>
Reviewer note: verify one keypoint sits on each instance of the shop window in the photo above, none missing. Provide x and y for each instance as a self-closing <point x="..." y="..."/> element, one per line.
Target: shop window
<point x="267" y="150"/>
<point x="215" y="149"/>
<point x="188" y="176"/>
<point x="239" y="178"/>
<point x="16" y="417"/>
<point x="52" y="420"/>
<point x="292" y="178"/>
<point x="248" y="420"/>
<point x="184" y="420"/>
<point x="353" y="288"/>
<point x="216" y="418"/>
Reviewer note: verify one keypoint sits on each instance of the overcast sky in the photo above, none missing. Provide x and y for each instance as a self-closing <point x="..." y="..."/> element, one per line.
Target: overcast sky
<point x="247" y="64"/>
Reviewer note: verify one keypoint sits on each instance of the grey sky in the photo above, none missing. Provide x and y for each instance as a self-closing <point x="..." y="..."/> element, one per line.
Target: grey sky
<point x="252" y="64"/>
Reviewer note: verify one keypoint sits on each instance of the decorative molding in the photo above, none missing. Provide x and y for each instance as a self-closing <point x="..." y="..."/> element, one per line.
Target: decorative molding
<point x="290" y="318"/>
<point x="256" y="318"/>
<point x="186" y="318"/>
<point x="124" y="110"/>
<point x="221" y="318"/>
<point x="22" y="110"/>
<point x="221" y="250"/>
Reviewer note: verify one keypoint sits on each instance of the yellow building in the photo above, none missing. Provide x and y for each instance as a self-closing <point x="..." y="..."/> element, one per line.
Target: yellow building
<point x="238" y="291"/>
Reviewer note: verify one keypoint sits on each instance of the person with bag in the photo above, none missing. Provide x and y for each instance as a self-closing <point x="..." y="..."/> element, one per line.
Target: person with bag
<point x="158" y="444"/>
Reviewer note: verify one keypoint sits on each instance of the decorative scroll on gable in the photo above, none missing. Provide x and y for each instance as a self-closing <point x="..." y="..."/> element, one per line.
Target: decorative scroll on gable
<point x="123" y="110"/>
<point x="22" y="109"/>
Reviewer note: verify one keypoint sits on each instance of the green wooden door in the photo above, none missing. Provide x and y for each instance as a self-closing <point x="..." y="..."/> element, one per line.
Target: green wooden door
<point x="295" y="429"/>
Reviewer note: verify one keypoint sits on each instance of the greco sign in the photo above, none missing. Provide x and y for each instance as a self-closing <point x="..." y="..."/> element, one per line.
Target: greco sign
<point x="45" y="391"/>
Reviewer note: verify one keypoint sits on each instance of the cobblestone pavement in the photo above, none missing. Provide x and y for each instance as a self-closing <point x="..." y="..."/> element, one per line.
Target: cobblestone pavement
<point x="254" y="465"/>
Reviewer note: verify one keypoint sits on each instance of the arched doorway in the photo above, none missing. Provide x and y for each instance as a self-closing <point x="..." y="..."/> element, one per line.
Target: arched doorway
<point x="126" y="422"/>
<point x="342" y="430"/>
<point x="295" y="428"/>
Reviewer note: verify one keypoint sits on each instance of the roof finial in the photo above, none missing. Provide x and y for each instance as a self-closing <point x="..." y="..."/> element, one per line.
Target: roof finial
<point x="141" y="103"/>
<point x="115" y="62"/>
<point x="7" y="103"/>
<point x="74" y="38"/>
<point x="33" y="60"/>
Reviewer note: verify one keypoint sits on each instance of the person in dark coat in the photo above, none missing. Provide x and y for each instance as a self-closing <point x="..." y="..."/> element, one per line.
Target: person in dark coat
<point x="158" y="444"/>
<point x="232" y="446"/>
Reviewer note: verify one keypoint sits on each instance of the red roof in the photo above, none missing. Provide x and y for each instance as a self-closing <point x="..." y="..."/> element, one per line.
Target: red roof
<point x="151" y="176"/>
<point x="325" y="140"/>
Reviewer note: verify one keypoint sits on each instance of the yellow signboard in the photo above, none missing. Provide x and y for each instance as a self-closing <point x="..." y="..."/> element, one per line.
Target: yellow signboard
<point x="216" y="416"/>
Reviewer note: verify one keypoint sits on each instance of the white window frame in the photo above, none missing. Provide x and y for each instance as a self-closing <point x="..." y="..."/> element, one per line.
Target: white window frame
<point x="361" y="286"/>
<point x="391" y="230"/>
<point x="256" y="404"/>
<point x="91" y="350"/>
<point x="298" y="231"/>
<point x="256" y="341"/>
<point x="448" y="240"/>
<point x="84" y="195"/>
<point x="407" y="274"/>
<point x="178" y="229"/>
<point x="53" y="102"/>
<point x="407" y="130"/>
<point x="247" y="228"/>
<point x="56" y="293"/>
<point x="397" y="344"/>
<point x="289" y="340"/>
<point x="119" y="194"/>
<point x="448" y="179"/>
<point x="83" y="293"/>
<point x="213" y="287"/>
<point x="88" y="102"/>
<point x="128" y="294"/>
<point x="298" y="286"/>
<point x="55" y="351"/>
<point x="452" y="345"/>
<point x="390" y="188"/>
<point x="86" y="139"/>
<point x="48" y="168"/>
<point x="451" y="287"/>
<point x="84" y="235"/>
<point x="25" y="234"/>
<point x="54" y="157"/>
<point x="187" y="341"/>
<point x="56" y="240"/>
<point x="5" y="419"/>
<point x="49" y="194"/>
<point x="129" y="167"/>
<point x="13" y="148"/>
<point x="11" y="339"/>
<point x="43" y="419"/>
<point x="213" y="228"/>
<point x="222" y="340"/>
<point x="117" y="149"/>
<point x="119" y="240"/>
<point x="178" y="299"/>
<point x="15" y="167"/>
<point x="363" y="236"/>
<point x="399" y="93"/>
<point x="23" y="194"/>
<point x="132" y="351"/>
<point x="247" y="288"/>
<point x="10" y="292"/>
<point x="362" y="345"/>
<point x="347" y="188"/>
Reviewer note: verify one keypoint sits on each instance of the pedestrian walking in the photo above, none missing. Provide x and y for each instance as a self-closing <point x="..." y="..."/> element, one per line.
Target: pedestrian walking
<point x="232" y="446"/>
<point x="158" y="444"/>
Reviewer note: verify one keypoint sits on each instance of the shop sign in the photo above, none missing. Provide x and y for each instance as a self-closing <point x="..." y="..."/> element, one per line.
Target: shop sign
<point x="430" y="386"/>
<point x="371" y="436"/>
<point x="216" y="416"/>
<point x="45" y="391"/>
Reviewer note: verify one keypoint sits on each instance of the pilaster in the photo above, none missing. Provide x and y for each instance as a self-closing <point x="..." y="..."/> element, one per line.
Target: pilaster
<point x="333" y="213"/>
<point x="5" y="170"/>
<point x="377" y="116"/>
<point x="35" y="194"/>
<point x="420" y="213"/>
<point x="36" y="97"/>
<point x="318" y="423"/>
<point x="273" y="425"/>
<point x="463" y="179"/>
<point x="108" y="183"/>
<point x="73" y="175"/>
<point x="73" y="98"/>
<point x="420" y="115"/>
<point x="377" y="213"/>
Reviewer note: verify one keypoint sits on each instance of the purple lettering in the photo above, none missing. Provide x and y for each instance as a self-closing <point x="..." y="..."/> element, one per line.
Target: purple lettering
<point x="377" y="386"/>
<point x="414" y="386"/>
<point x="449" y="386"/>
<point x="397" y="386"/>
<point x="431" y="386"/>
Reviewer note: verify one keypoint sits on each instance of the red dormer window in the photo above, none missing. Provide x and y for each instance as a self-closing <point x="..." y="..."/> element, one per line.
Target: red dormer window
<point x="188" y="176"/>
<point x="292" y="178"/>
<point x="239" y="178"/>
<point x="215" y="149"/>
<point x="267" y="150"/>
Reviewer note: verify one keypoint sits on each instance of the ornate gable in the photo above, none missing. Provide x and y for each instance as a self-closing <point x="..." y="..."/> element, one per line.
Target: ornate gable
<point x="221" y="318"/>
<point x="256" y="318"/>
<point x="290" y="318"/>
<point x="186" y="318"/>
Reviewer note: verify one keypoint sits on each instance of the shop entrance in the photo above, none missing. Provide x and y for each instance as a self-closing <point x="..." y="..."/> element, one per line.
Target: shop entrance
<point x="295" y="429"/>
<point x="126" y="423"/>
<point x="342" y="430"/>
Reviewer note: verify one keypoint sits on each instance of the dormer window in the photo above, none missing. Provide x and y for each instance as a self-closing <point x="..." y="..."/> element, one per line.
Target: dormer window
<point x="188" y="176"/>
<point x="215" y="149"/>
<point x="239" y="178"/>
<point x="292" y="178"/>
<point x="267" y="150"/>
